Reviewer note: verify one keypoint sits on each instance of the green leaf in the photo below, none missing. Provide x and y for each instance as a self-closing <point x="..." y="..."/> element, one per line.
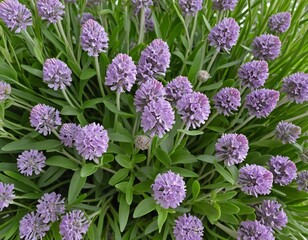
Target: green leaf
<point x="70" y="111"/>
<point x="223" y="172"/>
<point x="195" y="189"/>
<point x="118" y="176"/>
<point x="87" y="74"/>
<point x="212" y="211"/>
<point x="28" y="144"/>
<point x="23" y="179"/>
<point x="182" y="157"/>
<point x="162" y="217"/>
<point x="207" y="158"/>
<point x="123" y="212"/>
<point x="75" y="187"/>
<point x="33" y="71"/>
<point x="144" y="207"/>
<point x="191" y="132"/>
<point x="123" y="160"/>
<point x="228" y="218"/>
<point x="225" y="196"/>
<point x="229" y="208"/>
<point x="163" y="157"/>
<point x="60" y="161"/>
<point x="113" y="108"/>
<point x="184" y="172"/>
<point x="88" y="169"/>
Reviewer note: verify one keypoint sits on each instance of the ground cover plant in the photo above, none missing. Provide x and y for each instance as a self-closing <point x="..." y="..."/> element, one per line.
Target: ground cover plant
<point x="153" y="119"/>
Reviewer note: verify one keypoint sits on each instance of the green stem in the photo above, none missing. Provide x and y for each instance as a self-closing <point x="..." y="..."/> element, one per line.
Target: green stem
<point x="180" y="138"/>
<point x="67" y="98"/>
<point x="118" y="95"/>
<point x="136" y="124"/>
<point x="237" y="117"/>
<point x="243" y="124"/>
<point x="227" y="230"/>
<point x="72" y="97"/>
<point x="21" y="106"/>
<point x="212" y="117"/>
<point x="149" y="154"/>
<point x="98" y="72"/>
<point x="142" y="25"/>
<point x="21" y="205"/>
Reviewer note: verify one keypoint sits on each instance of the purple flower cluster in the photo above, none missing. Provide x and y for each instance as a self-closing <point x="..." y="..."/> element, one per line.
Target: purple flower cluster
<point x="121" y="73"/>
<point x="249" y="230"/>
<point x="227" y="100"/>
<point x="232" y="148"/>
<point x="29" y="162"/>
<point x="16" y="16"/>
<point x="190" y="7"/>
<point x="188" y="227"/>
<point x="266" y="47"/>
<point x="177" y="88"/>
<point x="50" y="206"/>
<point x="255" y="180"/>
<point x="224" y="35"/>
<point x="74" y="225"/>
<point x="280" y="22"/>
<point x="287" y="132"/>
<point x="302" y="180"/>
<point x="169" y="189"/>
<point x="253" y="74"/>
<point x="5" y="91"/>
<point x="296" y="87"/>
<point x="6" y="195"/>
<point x="50" y="10"/>
<point x="44" y="118"/>
<point x="31" y="227"/>
<point x="68" y="133"/>
<point x="224" y="5"/>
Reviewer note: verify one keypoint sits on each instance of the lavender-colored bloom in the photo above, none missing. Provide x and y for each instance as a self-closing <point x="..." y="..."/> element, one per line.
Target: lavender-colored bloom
<point x="121" y="73"/>
<point x="169" y="189"/>
<point x="138" y="4"/>
<point x="287" y="132"/>
<point x="280" y="22"/>
<point x="6" y="195"/>
<point x="270" y="214"/>
<point x="16" y="16"/>
<point x="302" y="180"/>
<point x="194" y="109"/>
<point x="94" y="39"/>
<point x="68" y="133"/>
<point x="44" y="118"/>
<point x="50" y="10"/>
<point x="92" y="141"/>
<point x="283" y="170"/>
<point x="32" y="227"/>
<point x="253" y="74"/>
<point x="266" y="47"/>
<point x="224" y="35"/>
<point x="232" y="148"/>
<point x="188" y="227"/>
<point x="50" y="206"/>
<point x="224" y="5"/>
<point x="157" y="117"/>
<point x="260" y="103"/>
<point x="148" y="91"/>
<point x="85" y="17"/>
<point x="177" y="88"/>
<point x="296" y="87"/>
<point x="5" y="90"/>
<point x="56" y="74"/>
<point x="254" y="230"/>
<point x="190" y="7"/>
<point x="74" y="225"/>
<point x="227" y="100"/>
<point x="31" y="162"/>
<point x="255" y="180"/>
<point x="154" y="61"/>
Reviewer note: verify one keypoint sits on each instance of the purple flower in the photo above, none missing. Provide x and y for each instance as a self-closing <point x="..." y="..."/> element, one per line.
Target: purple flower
<point x="154" y="61"/>
<point x="227" y="100"/>
<point x="6" y="195"/>
<point x="85" y="17"/>
<point x="5" y="91"/>
<point x="169" y="189"/>
<point x="260" y="103"/>
<point x="283" y="170"/>
<point x="121" y="73"/>
<point x="94" y="39"/>
<point x="44" y="118"/>
<point x="188" y="227"/>
<point x="74" y="225"/>
<point x="279" y="22"/>
<point x="50" y="206"/>
<point x="138" y="4"/>
<point x="31" y="227"/>
<point x="255" y="180"/>
<point x="16" y="16"/>
<point x="50" y="10"/>
<point x="190" y="7"/>
<point x="148" y="91"/>
<point x="232" y="148"/>
<point x="29" y="162"/>
<point x="287" y="132"/>
<point x="254" y="230"/>
<point x="224" y="35"/>
<point x="253" y="74"/>
<point x="270" y="214"/>
<point x="224" y="5"/>
<point x="296" y="87"/>
<point x="194" y="109"/>
<point x="56" y="74"/>
<point x="177" y="88"/>
<point x="157" y="117"/>
<point x="302" y="180"/>
<point x="266" y="47"/>
<point x="92" y="141"/>
<point x="68" y="133"/>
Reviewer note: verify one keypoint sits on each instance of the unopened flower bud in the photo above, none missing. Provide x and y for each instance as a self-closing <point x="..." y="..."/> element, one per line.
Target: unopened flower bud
<point x="142" y="142"/>
<point x="203" y="76"/>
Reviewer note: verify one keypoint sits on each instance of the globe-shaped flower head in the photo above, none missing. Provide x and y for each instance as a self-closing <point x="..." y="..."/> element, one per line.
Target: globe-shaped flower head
<point x="94" y="39"/>
<point x="255" y="180"/>
<point x="68" y="133"/>
<point x="169" y="189"/>
<point x="190" y="7"/>
<point x="188" y="227"/>
<point x="50" y="207"/>
<point x="121" y="73"/>
<point x="287" y="132"/>
<point x="302" y="180"/>
<point x="50" y="10"/>
<point x="31" y="227"/>
<point x="6" y="195"/>
<point x="194" y="109"/>
<point x="224" y="5"/>
<point x="138" y="4"/>
<point x="227" y="100"/>
<point x="74" y="225"/>
<point x="56" y="74"/>
<point x="253" y="74"/>
<point x="177" y="88"/>
<point x="249" y="230"/>
<point x="296" y="87"/>
<point x="266" y="47"/>
<point x="280" y="22"/>
<point x="31" y="162"/>
<point x="260" y="103"/>
<point x="5" y="91"/>
<point x="44" y="118"/>
<point x="16" y="16"/>
<point x="224" y="35"/>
